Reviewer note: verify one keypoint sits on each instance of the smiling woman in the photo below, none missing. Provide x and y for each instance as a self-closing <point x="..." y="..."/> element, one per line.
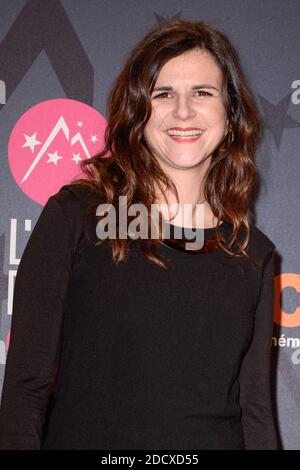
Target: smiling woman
<point x="182" y="129"/>
<point x="149" y="346"/>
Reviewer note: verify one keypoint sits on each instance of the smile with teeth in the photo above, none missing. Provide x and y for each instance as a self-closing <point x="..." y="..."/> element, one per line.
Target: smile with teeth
<point x="184" y="136"/>
<point x="190" y="133"/>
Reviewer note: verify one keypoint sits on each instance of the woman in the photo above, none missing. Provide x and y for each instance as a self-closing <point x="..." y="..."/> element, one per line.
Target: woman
<point x="151" y="345"/>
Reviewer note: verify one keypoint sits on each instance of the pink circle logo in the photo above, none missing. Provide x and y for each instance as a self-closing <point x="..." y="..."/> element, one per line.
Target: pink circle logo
<point x="48" y="142"/>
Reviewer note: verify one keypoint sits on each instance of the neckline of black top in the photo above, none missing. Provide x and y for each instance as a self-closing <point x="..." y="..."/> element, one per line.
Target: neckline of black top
<point x="210" y="244"/>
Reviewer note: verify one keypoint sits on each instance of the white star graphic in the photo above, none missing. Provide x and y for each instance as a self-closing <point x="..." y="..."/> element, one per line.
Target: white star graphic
<point x="54" y="157"/>
<point x="76" y="157"/>
<point x="79" y="123"/>
<point x="31" y="141"/>
<point x="94" y="138"/>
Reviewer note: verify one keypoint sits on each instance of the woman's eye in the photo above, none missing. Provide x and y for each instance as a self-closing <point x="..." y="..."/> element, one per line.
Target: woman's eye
<point x="162" y="95"/>
<point x="205" y="92"/>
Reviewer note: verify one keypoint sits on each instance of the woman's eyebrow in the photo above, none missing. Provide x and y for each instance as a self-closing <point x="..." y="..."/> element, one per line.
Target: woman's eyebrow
<point x="194" y="87"/>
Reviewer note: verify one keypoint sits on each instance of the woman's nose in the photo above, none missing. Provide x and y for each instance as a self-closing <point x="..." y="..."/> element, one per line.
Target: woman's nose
<point x="183" y="108"/>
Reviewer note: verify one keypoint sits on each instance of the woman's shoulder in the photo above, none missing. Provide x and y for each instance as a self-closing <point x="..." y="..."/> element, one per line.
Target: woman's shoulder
<point x="261" y="238"/>
<point x="75" y="201"/>
<point x="260" y="244"/>
<point x="73" y="193"/>
<point x="73" y="198"/>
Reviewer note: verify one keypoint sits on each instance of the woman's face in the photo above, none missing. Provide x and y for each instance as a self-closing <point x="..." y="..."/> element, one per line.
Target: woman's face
<point x="188" y="119"/>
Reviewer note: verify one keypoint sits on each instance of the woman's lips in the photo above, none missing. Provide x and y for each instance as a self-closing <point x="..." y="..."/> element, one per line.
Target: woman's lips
<point x="182" y="140"/>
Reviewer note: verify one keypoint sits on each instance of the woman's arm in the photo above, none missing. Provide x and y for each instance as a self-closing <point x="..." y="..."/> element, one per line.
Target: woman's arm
<point x="257" y="419"/>
<point x="39" y="294"/>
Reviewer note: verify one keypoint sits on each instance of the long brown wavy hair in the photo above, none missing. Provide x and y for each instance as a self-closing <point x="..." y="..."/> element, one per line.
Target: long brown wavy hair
<point x="126" y="167"/>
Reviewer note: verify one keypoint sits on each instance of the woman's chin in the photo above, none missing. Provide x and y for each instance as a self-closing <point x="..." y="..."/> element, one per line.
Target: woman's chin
<point x="185" y="162"/>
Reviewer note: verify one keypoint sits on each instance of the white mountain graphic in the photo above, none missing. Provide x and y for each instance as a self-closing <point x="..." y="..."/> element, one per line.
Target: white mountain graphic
<point x="61" y="125"/>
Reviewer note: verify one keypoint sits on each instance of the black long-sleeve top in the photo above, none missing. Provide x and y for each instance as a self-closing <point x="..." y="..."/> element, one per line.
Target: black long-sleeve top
<point x="142" y="358"/>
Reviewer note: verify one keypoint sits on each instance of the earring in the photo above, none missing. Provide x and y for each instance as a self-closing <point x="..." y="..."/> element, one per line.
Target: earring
<point x="231" y="133"/>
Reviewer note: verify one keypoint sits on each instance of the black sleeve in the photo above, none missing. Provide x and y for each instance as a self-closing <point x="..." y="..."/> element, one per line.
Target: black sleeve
<point x="257" y="419"/>
<point x="39" y="292"/>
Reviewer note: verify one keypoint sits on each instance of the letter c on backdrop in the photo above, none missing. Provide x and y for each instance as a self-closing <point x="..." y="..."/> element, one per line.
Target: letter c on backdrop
<point x="280" y="316"/>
